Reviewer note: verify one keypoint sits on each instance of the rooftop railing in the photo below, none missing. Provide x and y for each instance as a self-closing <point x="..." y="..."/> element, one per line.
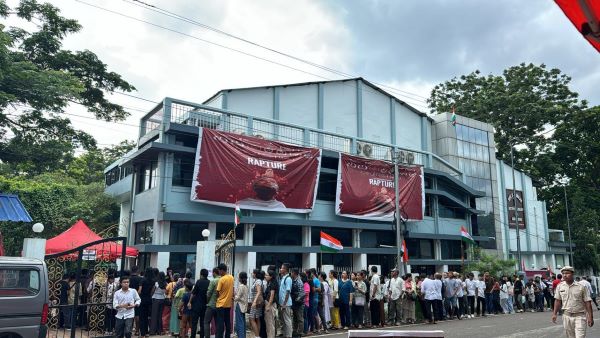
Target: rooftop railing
<point x="183" y="112"/>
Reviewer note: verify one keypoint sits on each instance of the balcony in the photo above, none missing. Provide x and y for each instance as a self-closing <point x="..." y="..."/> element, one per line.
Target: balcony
<point x="186" y="113"/>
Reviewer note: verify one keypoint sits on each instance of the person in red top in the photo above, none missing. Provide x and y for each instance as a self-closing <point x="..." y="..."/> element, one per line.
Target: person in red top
<point x="556" y="281"/>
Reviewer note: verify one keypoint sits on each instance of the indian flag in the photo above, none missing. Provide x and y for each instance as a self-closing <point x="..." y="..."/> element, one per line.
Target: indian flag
<point x="238" y="215"/>
<point x="453" y="118"/>
<point x="465" y="235"/>
<point x="330" y="244"/>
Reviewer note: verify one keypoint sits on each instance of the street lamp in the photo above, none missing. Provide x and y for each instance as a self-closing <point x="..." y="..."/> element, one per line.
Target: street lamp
<point x="399" y="238"/>
<point x="37" y="228"/>
<point x="512" y="164"/>
<point x="568" y="225"/>
<point x="205" y="234"/>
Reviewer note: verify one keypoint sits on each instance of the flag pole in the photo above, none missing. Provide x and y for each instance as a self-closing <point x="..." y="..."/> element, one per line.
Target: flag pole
<point x="462" y="255"/>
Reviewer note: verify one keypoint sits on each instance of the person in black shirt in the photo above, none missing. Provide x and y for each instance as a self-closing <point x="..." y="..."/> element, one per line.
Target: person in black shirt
<point x="63" y="299"/>
<point x="198" y="300"/>
<point x="134" y="283"/>
<point x="145" y="291"/>
<point x="518" y="288"/>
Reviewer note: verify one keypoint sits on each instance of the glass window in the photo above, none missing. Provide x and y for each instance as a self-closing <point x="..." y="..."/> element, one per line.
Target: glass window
<point x="420" y="248"/>
<point x="327" y="186"/>
<point x="387" y="262"/>
<point x="428" y="182"/>
<point x="339" y="261"/>
<point x="147" y="176"/>
<point x="143" y="260"/>
<point x="473" y="150"/>
<point x="447" y="209"/>
<point x="377" y="239"/>
<point x="472" y="137"/>
<point x="182" y="262"/>
<point x="15" y="282"/>
<point x="183" y="233"/>
<point x="451" y="249"/>
<point x="428" y="210"/>
<point x="479" y="136"/>
<point x="224" y="228"/>
<point x="183" y="170"/>
<point x="343" y="235"/>
<point x="143" y="232"/>
<point x="272" y="234"/>
<point x="459" y="148"/>
<point x="560" y="260"/>
<point x="459" y="132"/>
<point x="278" y="258"/>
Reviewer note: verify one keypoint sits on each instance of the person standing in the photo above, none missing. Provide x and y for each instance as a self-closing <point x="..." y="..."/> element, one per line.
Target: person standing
<point x="334" y="285"/>
<point x="409" y="296"/>
<point x="224" y="302"/>
<point x="241" y="305"/>
<point x="481" y="301"/>
<point x="432" y="289"/>
<point x="198" y="303"/>
<point x="575" y="301"/>
<point x="393" y="292"/>
<point x="145" y="291"/>
<point x="184" y="310"/>
<point x="211" y="305"/>
<point x="285" y="300"/>
<point x="359" y="298"/>
<point x="374" y="297"/>
<point x="298" y="296"/>
<point x="270" y="295"/>
<point x="346" y="290"/>
<point x="134" y="283"/>
<point x="158" y="304"/>
<point x="518" y="293"/>
<point x="471" y="294"/>
<point x="124" y="301"/>
<point x="256" y="300"/>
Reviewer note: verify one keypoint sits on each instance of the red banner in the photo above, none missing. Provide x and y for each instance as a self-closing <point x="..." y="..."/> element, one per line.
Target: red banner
<point x="366" y="189"/>
<point x="255" y="173"/>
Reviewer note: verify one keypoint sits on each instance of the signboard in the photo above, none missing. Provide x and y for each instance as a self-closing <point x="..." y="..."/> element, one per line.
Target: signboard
<point x="365" y="189"/>
<point x="255" y="173"/>
<point x="88" y="255"/>
<point x="520" y="214"/>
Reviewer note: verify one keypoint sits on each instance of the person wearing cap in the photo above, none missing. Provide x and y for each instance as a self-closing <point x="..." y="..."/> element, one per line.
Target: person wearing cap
<point x="576" y="303"/>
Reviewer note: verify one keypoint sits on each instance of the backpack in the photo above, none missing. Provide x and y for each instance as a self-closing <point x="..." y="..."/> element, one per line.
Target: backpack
<point x="297" y="293"/>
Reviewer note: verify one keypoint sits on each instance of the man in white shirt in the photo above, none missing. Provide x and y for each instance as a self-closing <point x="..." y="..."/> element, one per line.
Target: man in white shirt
<point x="375" y="297"/>
<point x="432" y="289"/>
<point x="481" y="297"/>
<point x="393" y="292"/>
<point x="124" y="301"/>
<point x="471" y="290"/>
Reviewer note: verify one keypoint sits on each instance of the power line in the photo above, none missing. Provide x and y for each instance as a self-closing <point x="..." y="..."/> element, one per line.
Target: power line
<point x="165" y="12"/>
<point x="419" y="103"/>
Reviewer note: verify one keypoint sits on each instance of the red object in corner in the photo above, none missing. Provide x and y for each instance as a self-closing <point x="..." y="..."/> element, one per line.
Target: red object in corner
<point x="584" y="14"/>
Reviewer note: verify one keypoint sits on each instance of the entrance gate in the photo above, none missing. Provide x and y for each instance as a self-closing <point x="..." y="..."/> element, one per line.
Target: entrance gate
<point x="81" y="304"/>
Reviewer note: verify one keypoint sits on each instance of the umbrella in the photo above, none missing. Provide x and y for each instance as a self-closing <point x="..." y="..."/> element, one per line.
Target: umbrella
<point x="584" y="14"/>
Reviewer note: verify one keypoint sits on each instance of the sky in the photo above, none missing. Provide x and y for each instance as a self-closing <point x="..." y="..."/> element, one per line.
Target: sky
<point x="408" y="46"/>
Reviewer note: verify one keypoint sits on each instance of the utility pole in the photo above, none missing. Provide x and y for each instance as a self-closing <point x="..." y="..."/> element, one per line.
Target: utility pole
<point x="512" y="164"/>
<point x="568" y="227"/>
<point x="399" y="237"/>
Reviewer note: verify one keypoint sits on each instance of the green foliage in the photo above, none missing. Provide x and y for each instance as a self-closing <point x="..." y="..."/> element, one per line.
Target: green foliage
<point x="495" y="265"/>
<point x="38" y="82"/>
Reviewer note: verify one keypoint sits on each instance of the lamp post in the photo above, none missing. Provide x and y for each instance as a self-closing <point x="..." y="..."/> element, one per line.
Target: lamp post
<point x="399" y="238"/>
<point x="512" y="164"/>
<point x="205" y="234"/>
<point x="568" y="226"/>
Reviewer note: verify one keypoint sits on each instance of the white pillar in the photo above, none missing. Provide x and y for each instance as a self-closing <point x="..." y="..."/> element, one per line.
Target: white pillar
<point x="205" y="256"/>
<point x="162" y="261"/>
<point x="34" y="248"/>
<point x="312" y="260"/>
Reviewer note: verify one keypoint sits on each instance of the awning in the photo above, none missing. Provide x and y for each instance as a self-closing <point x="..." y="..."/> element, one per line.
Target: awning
<point x="80" y="234"/>
<point x="584" y="14"/>
<point x="11" y="209"/>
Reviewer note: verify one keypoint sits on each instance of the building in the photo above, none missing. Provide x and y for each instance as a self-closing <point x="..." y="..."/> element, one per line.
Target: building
<point x="352" y="116"/>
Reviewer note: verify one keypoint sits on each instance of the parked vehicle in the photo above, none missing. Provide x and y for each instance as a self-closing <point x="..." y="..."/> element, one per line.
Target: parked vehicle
<point x="23" y="297"/>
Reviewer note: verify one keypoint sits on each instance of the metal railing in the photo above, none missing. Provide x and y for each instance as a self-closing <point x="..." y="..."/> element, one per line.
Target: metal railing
<point x="182" y="112"/>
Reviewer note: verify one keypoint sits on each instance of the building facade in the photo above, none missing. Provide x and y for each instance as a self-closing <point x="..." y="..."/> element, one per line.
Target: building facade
<point x="153" y="182"/>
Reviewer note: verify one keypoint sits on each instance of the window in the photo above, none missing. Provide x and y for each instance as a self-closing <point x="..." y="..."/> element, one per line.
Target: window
<point x="336" y="259"/>
<point x="428" y="210"/>
<point x="272" y="258"/>
<point x="183" y="170"/>
<point x="428" y="181"/>
<point x="327" y="187"/>
<point x="224" y="228"/>
<point x="144" y="232"/>
<point x="183" y="233"/>
<point x="560" y="260"/>
<point x="420" y="248"/>
<point x="147" y="176"/>
<point x="271" y="234"/>
<point x="186" y="141"/>
<point x="112" y="176"/>
<point x="183" y="262"/>
<point x="451" y="249"/>
<point x="448" y="210"/>
<point x="387" y="262"/>
<point x="15" y="282"/>
<point x="377" y="239"/>
<point x="343" y="235"/>
<point x="143" y="260"/>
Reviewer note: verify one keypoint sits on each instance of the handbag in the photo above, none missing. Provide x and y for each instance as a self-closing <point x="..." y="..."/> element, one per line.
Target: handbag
<point x="360" y="301"/>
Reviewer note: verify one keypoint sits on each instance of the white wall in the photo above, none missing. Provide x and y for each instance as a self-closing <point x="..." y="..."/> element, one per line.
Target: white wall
<point x="408" y="127"/>
<point x="339" y="107"/>
<point x="376" y="115"/>
<point x="298" y="105"/>
<point x="257" y="102"/>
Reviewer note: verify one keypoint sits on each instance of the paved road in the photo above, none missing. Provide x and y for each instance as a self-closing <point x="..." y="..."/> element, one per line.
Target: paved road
<point x="529" y="325"/>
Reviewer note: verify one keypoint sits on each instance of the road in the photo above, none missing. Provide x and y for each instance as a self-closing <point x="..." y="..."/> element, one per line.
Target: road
<point x="529" y="325"/>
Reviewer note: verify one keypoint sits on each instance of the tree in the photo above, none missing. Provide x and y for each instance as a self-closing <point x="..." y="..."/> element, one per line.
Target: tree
<point x="89" y="167"/>
<point x="38" y="82"/>
<point x="495" y="265"/>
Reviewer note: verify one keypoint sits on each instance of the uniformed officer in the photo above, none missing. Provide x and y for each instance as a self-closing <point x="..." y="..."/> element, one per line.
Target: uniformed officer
<point x="576" y="305"/>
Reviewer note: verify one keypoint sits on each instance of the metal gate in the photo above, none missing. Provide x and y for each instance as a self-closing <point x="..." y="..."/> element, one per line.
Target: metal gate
<point x="225" y="250"/>
<point x="80" y="294"/>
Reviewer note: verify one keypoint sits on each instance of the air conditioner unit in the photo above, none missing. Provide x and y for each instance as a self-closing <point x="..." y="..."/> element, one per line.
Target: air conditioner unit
<point x="364" y="149"/>
<point x="202" y="119"/>
<point x="405" y="157"/>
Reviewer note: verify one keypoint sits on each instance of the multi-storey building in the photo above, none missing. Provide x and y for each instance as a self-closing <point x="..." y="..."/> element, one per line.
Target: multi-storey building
<point x="461" y="181"/>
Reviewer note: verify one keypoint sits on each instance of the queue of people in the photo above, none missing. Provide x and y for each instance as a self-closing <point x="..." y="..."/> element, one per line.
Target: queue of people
<point x="298" y="303"/>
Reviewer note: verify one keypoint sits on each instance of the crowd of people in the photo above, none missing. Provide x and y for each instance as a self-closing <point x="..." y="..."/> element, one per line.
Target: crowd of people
<point x="298" y="303"/>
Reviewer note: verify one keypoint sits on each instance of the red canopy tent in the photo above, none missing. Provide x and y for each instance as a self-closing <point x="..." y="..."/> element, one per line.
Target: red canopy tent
<point x="80" y="234"/>
<point x="585" y="15"/>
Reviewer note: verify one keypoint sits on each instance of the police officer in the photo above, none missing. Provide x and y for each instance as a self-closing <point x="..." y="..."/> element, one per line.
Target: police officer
<point x="576" y="303"/>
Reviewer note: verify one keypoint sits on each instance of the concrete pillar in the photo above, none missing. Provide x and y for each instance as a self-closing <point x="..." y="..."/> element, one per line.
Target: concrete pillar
<point x="34" y="248"/>
<point x="312" y="260"/>
<point x="205" y="255"/>
<point x="360" y="261"/>
<point x="162" y="261"/>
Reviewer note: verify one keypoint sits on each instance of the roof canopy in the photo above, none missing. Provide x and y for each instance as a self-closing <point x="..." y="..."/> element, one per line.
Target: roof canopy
<point x="585" y="16"/>
<point x="11" y="209"/>
<point x="80" y="234"/>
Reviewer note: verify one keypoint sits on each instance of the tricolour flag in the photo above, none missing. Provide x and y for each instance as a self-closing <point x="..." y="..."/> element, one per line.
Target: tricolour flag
<point x="453" y="118"/>
<point x="238" y="215"/>
<point x="464" y="234"/>
<point x="329" y="243"/>
<point x="404" y="252"/>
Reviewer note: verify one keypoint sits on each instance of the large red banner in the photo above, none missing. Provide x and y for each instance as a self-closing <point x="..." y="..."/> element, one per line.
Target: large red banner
<point x="255" y="173"/>
<point x="366" y="189"/>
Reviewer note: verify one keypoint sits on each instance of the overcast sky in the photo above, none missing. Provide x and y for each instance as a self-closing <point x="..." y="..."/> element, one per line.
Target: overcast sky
<point x="409" y="45"/>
